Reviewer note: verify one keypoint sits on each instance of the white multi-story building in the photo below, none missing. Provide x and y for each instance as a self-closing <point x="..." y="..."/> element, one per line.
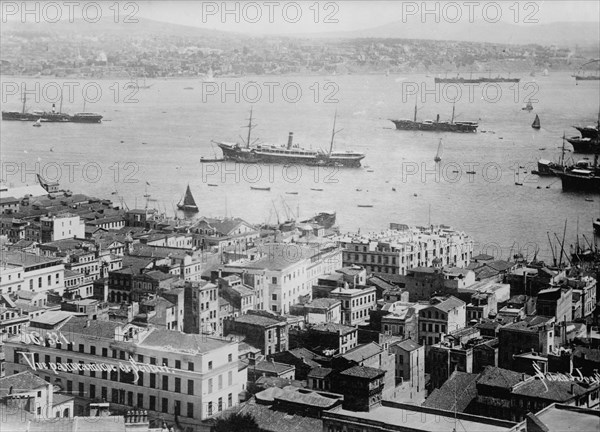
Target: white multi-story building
<point x="62" y="226"/>
<point x="291" y="270"/>
<point x="175" y="375"/>
<point x="39" y="273"/>
<point x="394" y="251"/>
<point x="11" y="278"/>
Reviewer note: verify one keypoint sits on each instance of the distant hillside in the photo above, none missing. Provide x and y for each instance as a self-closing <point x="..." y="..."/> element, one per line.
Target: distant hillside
<point x="564" y="34"/>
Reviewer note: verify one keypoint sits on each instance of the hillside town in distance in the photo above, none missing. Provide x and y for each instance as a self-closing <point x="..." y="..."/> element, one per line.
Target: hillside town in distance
<point x="133" y="321"/>
<point x="113" y="54"/>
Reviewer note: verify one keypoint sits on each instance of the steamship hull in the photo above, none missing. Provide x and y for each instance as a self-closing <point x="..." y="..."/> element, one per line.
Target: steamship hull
<point x="284" y="156"/>
<point x="429" y="126"/>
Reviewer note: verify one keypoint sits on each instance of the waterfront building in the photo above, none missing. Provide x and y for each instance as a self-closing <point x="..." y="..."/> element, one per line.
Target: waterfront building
<point x="61" y="226"/>
<point x="396" y="251"/>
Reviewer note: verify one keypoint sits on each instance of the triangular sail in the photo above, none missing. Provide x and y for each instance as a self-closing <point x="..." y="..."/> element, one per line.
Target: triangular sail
<point x="536" y="122"/>
<point x="188" y="200"/>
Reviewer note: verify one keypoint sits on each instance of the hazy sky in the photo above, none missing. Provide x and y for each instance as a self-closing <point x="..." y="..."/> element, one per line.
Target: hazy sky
<point x="300" y="16"/>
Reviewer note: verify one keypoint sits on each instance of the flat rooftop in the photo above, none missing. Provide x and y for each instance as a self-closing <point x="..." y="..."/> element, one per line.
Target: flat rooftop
<point x="418" y="420"/>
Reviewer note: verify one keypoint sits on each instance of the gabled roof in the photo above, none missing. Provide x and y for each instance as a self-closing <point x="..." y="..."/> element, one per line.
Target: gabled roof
<point x="498" y="377"/>
<point x="408" y="345"/>
<point x="20" y="383"/>
<point x="362" y="352"/>
<point x="363" y="372"/>
<point x="455" y="394"/>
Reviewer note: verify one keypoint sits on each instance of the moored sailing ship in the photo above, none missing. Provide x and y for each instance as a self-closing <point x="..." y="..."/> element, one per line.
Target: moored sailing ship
<point x="589" y="141"/>
<point x="583" y="176"/>
<point x="325" y="218"/>
<point x="471" y="80"/>
<point x="289" y="154"/>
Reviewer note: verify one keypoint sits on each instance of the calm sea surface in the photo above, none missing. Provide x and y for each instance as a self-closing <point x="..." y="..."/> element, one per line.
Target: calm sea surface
<point x="160" y="138"/>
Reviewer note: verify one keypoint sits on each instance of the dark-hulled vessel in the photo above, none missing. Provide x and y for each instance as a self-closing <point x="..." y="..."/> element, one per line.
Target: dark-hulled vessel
<point x="583" y="176"/>
<point x="589" y="141"/>
<point x="290" y="154"/>
<point x="437" y="125"/>
<point x="325" y="219"/>
<point x="471" y="80"/>
<point x="188" y="204"/>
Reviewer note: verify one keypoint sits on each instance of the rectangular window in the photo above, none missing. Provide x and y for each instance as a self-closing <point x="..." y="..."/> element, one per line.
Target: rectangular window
<point x="152" y="380"/>
<point x="140" y="358"/>
<point x="177" y="364"/>
<point x="81" y="348"/>
<point x="230" y="378"/>
<point x="104" y="352"/>
<point x="177" y="408"/>
<point x="93" y="350"/>
<point x="190" y="366"/>
<point x="220" y="382"/>
<point x="220" y="404"/>
<point x="191" y="387"/>
<point x="81" y="392"/>
<point x="178" y="385"/>
<point x="140" y="400"/>
<point x="210" y="364"/>
<point x="165" y="362"/>
<point x="229" y="400"/>
<point x="210" y="385"/>
<point x="152" y="403"/>
<point x="190" y="409"/>
<point x="210" y="408"/>
<point x="165" y="383"/>
<point x="92" y="391"/>
<point x="165" y="405"/>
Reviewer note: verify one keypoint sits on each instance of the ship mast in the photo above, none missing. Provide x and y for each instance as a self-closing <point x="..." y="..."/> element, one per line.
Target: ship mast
<point x="25" y="100"/>
<point x="415" y="118"/>
<point x="333" y="132"/>
<point x="453" y="108"/>
<point x="249" y="129"/>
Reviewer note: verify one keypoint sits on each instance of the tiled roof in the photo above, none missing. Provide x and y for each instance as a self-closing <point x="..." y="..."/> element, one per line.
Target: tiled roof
<point x="333" y="328"/>
<point x="169" y="340"/>
<point x="81" y="325"/>
<point x="497" y="377"/>
<point x="408" y="345"/>
<point x="363" y="372"/>
<point x="20" y="383"/>
<point x="272" y="367"/>
<point x="456" y="393"/>
<point x="557" y="391"/>
<point x="319" y="372"/>
<point x="258" y="320"/>
<point x="362" y="352"/>
<point x="269" y="419"/>
<point x="449" y="304"/>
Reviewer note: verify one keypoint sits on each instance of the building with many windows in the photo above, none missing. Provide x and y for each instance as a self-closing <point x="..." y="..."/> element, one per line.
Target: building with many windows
<point x="168" y="373"/>
<point x="395" y="251"/>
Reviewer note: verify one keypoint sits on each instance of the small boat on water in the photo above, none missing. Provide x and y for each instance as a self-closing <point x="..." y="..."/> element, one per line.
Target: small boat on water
<point x="536" y="122"/>
<point x="438" y="155"/>
<point x="203" y="160"/>
<point x="188" y="204"/>
<point x="317" y="189"/>
<point x="528" y="106"/>
<point x="38" y="123"/>
<point x="213" y="185"/>
<point x="365" y="205"/>
<point x="471" y="172"/>
<point x="291" y="193"/>
<point x="260" y="188"/>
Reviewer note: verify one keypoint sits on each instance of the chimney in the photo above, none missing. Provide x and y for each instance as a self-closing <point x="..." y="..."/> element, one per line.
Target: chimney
<point x="290" y="140"/>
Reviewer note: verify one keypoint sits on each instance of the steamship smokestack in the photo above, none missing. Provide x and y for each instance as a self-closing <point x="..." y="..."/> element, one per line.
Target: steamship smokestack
<point x="290" y="140"/>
